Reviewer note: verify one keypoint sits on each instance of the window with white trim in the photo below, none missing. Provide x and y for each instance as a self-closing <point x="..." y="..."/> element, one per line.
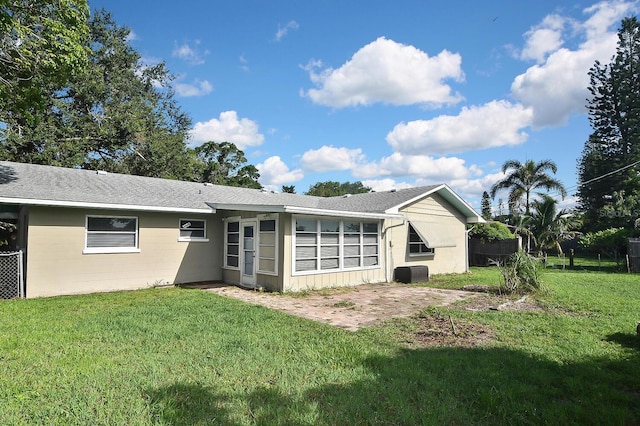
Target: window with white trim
<point x="232" y="245"/>
<point x="111" y="234"/>
<point x="193" y="230"/>
<point x="267" y="246"/>
<point x="417" y="247"/>
<point x="330" y="244"/>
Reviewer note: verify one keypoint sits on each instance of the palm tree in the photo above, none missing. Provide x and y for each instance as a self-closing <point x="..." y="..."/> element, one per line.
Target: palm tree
<point x="522" y="179"/>
<point x="549" y="226"/>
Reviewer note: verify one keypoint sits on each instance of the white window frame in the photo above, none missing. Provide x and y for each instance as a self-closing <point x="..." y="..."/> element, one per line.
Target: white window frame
<point x="92" y="250"/>
<point x="193" y="239"/>
<point x="430" y="251"/>
<point x="318" y="245"/>
<point x="260" y="244"/>
<point x="227" y="221"/>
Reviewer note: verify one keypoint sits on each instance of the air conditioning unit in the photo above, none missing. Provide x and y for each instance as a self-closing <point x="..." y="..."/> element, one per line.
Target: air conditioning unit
<point x="412" y="274"/>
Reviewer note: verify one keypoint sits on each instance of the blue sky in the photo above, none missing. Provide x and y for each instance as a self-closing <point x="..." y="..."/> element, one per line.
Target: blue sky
<point x="394" y="94"/>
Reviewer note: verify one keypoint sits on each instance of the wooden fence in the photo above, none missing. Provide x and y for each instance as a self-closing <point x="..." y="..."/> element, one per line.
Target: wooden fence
<point x="634" y="254"/>
<point x="484" y="254"/>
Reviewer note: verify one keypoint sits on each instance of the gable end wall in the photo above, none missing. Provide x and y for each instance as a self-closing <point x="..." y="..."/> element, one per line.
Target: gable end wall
<point x="433" y="209"/>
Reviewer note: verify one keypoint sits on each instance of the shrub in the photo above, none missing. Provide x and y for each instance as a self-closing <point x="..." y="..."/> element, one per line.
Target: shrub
<point x="611" y="242"/>
<point x="490" y="232"/>
<point x="521" y="273"/>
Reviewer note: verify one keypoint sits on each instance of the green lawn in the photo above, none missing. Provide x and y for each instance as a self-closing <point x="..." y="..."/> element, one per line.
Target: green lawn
<point x="179" y="356"/>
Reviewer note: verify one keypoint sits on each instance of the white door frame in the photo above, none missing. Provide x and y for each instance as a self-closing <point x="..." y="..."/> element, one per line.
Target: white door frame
<point x="248" y="250"/>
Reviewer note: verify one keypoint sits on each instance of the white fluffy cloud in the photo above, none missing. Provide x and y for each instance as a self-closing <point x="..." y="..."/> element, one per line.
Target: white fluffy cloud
<point x="283" y="31"/>
<point x="475" y="186"/>
<point x="379" y="185"/>
<point x="543" y="38"/>
<point x="497" y="123"/>
<point x="228" y="128"/>
<point x="190" y="53"/>
<point x="388" y="72"/>
<point x="329" y="158"/>
<point x="557" y="87"/>
<point x="198" y="88"/>
<point x="275" y="173"/>
<point x="131" y="36"/>
<point x="443" y="169"/>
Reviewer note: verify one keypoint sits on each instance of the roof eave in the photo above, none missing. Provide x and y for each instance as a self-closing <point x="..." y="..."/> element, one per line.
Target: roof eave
<point x="342" y="213"/>
<point x="102" y="206"/>
<point x="267" y="208"/>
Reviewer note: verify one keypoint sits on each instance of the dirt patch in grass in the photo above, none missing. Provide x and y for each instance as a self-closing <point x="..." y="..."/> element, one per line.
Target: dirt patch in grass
<point x="354" y="307"/>
<point x="500" y="302"/>
<point x="371" y="304"/>
<point x="438" y="329"/>
<point x="435" y="328"/>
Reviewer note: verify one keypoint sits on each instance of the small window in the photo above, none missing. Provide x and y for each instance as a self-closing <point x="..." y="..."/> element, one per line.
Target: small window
<point x="268" y="225"/>
<point x="193" y="230"/>
<point x="107" y="234"/>
<point x="417" y="247"/>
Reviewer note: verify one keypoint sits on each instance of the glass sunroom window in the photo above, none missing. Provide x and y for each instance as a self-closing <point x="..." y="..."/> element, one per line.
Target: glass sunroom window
<point x="267" y="246"/>
<point x="232" y="245"/>
<point x="331" y="244"/>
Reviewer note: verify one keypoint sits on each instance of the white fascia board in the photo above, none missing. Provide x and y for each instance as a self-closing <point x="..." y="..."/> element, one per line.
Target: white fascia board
<point x="341" y="213"/>
<point x="248" y="207"/>
<point x="462" y="205"/>
<point x="102" y="206"/>
<point x="478" y="219"/>
<point x="303" y="210"/>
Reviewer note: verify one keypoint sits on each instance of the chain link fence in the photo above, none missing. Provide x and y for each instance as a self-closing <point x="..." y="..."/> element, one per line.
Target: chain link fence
<point x="11" y="277"/>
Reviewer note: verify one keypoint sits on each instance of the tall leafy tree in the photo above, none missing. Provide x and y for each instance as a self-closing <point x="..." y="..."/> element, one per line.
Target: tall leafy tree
<point x="117" y="114"/>
<point x="550" y="226"/>
<point x="334" y="189"/>
<point x="40" y="42"/>
<point x="289" y="189"/>
<point x="614" y="144"/>
<point x="485" y="206"/>
<point x="224" y="164"/>
<point x="524" y="178"/>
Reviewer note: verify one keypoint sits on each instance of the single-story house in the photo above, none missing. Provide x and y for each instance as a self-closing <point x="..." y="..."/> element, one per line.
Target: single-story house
<point x="87" y="231"/>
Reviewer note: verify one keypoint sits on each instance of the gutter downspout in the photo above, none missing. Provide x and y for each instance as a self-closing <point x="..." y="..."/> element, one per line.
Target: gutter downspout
<point x="466" y="248"/>
<point x="388" y="256"/>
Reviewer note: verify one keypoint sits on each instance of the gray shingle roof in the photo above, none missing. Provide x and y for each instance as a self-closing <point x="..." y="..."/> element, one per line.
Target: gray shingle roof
<point x="374" y="202"/>
<point x="46" y="185"/>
